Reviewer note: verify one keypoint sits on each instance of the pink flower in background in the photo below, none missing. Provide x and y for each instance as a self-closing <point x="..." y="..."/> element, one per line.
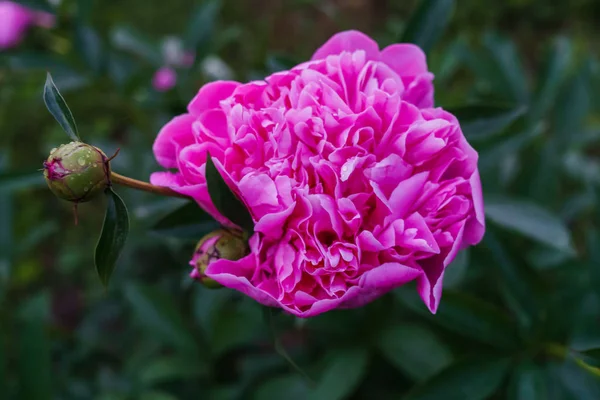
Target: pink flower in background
<point x="174" y="55"/>
<point x="16" y="19"/>
<point x="355" y="183"/>
<point x="164" y="79"/>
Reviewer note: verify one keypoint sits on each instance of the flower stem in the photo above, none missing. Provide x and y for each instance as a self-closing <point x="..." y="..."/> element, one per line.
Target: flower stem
<point x="144" y="186"/>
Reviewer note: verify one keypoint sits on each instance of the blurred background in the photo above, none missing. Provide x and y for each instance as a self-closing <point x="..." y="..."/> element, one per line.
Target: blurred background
<point x="520" y="314"/>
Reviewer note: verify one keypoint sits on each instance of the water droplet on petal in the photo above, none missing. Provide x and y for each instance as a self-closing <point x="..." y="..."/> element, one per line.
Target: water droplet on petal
<point x="81" y="161"/>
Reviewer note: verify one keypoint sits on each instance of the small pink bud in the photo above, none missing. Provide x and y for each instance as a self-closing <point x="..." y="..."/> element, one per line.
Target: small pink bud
<point x="77" y="172"/>
<point x="217" y="245"/>
<point x="164" y="79"/>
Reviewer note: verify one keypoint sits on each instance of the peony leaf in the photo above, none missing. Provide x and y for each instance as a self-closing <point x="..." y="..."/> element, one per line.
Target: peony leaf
<point x="293" y="385"/>
<point x="113" y="236"/>
<point x="226" y="202"/>
<point x="530" y="220"/>
<point x="528" y="382"/>
<point x="428" y="23"/>
<point x="552" y="76"/>
<point x="474" y="379"/>
<point x="89" y="46"/>
<point x="57" y="106"/>
<point x="3" y="370"/>
<point x="202" y="23"/>
<point x="11" y="181"/>
<point x="268" y="314"/>
<point x="171" y="368"/>
<point x="34" y="350"/>
<point x="343" y="374"/>
<point x="187" y="221"/>
<point x="414" y="349"/>
<point x="158" y="314"/>
<point x="132" y="41"/>
<point x="480" y="122"/>
<point x="467" y="316"/>
<point x="39" y="5"/>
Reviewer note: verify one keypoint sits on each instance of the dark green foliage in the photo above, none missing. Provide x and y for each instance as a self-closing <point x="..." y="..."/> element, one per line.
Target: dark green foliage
<point x="520" y="315"/>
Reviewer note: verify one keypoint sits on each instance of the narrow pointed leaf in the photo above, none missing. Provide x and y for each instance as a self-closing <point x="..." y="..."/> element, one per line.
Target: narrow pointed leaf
<point x="225" y="200"/>
<point x="342" y="376"/>
<point x="11" y="181"/>
<point x="467" y="380"/>
<point x="187" y="221"/>
<point x="202" y="24"/>
<point x="528" y="382"/>
<point x="113" y="236"/>
<point x="530" y="220"/>
<point x="483" y="122"/>
<point x="414" y="349"/>
<point x="428" y="23"/>
<point x="58" y="108"/>
<point x="158" y="314"/>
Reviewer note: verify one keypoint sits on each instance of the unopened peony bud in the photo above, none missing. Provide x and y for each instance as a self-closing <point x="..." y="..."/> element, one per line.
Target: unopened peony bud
<point x="220" y="244"/>
<point x="77" y="172"/>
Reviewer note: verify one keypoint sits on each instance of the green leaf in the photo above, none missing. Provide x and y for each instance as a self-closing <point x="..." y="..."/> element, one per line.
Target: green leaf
<point x="3" y="367"/>
<point x="202" y="23"/>
<point x="428" y="23"/>
<point x="158" y="395"/>
<point x="342" y="376"/>
<point x="89" y="45"/>
<point x="480" y="122"/>
<point x="12" y="181"/>
<point x="572" y="108"/>
<point x="167" y="369"/>
<point x="226" y="202"/>
<point x="57" y="106"/>
<point x="414" y="350"/>
<point x="132" y="41"/>
<point x="593" y="241"/>
<point x="294" y="387"/>
<point x="514" y="284"/>
<point x="528" y="382"/>
<point x="40" y="5"/>
<point x="467" y="380"/>
<point x="579" y="382"/>
<point x="530" y="220"/>
<point x="157" y="313"/>
<point x="6" y="232"/>
<point x="584" y="332"/>
<point x="552" y="76"/>
<point x="504" y="55"/>
<point x="456" y="271"/>
<point x="235" y="326"/>
<point x="34" y="364"/>
<point x="467" y="316"/>
<point x="279" y="347"/>
<point x="490" y="159"/>
<point x="187" y="221"/>
<point x="113" y="236"/>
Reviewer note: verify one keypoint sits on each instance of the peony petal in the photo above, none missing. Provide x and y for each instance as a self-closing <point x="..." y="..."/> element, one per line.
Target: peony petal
<point x="348" y="41"/>
<point x="388" y="276"/>
<point x="475" y="228"/>
<point x="172" y="138"/>
<point x="210" y="96"/>
<point x="233" y="274"/>
<point x="406" y="59"/>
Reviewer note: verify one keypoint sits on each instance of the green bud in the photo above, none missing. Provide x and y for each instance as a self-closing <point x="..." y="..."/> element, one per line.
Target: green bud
<point x="220" y="244"/>
<point x="77" y="172"/>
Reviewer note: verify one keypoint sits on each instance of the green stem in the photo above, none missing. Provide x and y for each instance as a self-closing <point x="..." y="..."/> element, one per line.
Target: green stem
<point x="144" y="186"/>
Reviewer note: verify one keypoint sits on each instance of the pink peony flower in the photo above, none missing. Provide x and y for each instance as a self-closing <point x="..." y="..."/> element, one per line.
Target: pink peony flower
<point x="355" y="183"/>
<point x="164" y="79"/>
<point x="15" y="19"/>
